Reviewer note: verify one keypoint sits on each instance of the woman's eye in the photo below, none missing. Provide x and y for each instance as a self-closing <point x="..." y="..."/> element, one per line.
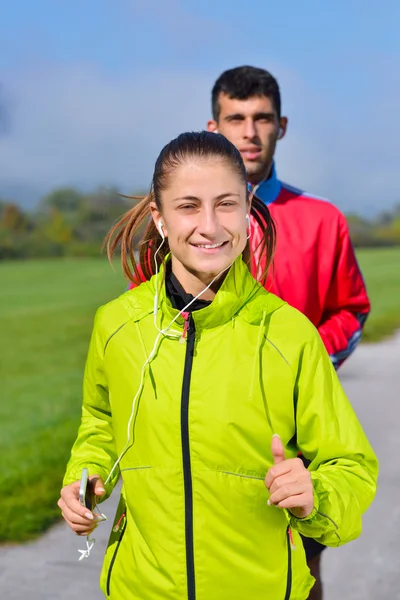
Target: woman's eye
<point x="227" y="204"/>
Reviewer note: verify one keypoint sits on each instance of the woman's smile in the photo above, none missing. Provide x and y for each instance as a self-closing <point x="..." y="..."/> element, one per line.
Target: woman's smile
<point x="209" y="248"/>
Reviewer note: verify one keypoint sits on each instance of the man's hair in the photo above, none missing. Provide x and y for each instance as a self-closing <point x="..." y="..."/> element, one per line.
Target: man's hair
<point x="245" y="82"/>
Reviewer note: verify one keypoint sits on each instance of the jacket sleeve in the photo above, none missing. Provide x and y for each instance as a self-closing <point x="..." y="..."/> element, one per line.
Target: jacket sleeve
<point x="347" y="304"/>
<point x="343" y="467"/>
<point x="94" y="447"/>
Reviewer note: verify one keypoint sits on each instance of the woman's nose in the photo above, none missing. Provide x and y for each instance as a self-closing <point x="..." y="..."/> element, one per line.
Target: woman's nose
<point x="208" y="224"/>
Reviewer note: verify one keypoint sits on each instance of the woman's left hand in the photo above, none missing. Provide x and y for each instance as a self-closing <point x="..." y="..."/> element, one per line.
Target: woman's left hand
<point x="289" y="483"/>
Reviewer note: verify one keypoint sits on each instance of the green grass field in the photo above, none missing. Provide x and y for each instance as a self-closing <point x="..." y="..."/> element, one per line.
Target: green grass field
<point x="46" y="315"/>
<point x="381" y="270"/>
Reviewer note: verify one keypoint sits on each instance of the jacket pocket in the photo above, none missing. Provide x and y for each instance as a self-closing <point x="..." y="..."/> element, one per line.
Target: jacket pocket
<point x="122" y="523"/>
<point x="289" y="563"/>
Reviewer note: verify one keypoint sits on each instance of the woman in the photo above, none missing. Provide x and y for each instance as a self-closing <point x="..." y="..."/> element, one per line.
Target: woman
<point x="200" y="389"/>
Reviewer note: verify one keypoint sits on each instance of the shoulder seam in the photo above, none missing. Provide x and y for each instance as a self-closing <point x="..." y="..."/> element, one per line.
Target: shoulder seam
<point x="279" y="352"/>
<point x="112" y="335"/>
<point x="291" y="188"/>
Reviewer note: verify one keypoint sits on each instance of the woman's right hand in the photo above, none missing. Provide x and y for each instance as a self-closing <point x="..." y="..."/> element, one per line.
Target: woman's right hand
<point x="81" y="520"/>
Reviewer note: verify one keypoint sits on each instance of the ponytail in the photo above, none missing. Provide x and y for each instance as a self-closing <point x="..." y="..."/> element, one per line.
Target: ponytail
<point x="124" y="234"/>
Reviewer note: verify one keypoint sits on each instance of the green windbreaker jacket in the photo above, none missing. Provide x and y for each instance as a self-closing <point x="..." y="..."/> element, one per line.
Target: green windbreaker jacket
<point x="193" y="521"/>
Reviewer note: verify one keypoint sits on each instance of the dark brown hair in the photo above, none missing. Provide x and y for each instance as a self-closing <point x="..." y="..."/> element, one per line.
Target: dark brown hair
<point x="242" y="83"/>
<point x="202" y="145"/>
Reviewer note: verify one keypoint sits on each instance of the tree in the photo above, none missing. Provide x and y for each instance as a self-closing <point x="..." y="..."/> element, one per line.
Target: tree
<point x="12" y="218"/>
<point x="57" y="229"/>
<point x="66" y="200"/>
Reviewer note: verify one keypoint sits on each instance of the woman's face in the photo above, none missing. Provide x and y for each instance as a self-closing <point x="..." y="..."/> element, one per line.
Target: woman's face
<point x="204" y="211"/>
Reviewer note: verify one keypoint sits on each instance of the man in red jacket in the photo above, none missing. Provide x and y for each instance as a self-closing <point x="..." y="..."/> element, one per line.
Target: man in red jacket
<point x="315" y="269"/>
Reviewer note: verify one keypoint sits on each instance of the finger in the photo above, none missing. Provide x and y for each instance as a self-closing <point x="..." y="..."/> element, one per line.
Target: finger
<point x="97" y="485"/>
<point x="278" y="451"/>
<point x="297" y="501"/>
<point x="292" y="489"/>
<point x="80" y="529"/>
<point x="72" y="504"/>
<point x="77" y="518"/>
<point x="277" y="470"/>
<point x="301" y="475"/>
<point x="282" y="481"/>
<point x="290" y="464"/>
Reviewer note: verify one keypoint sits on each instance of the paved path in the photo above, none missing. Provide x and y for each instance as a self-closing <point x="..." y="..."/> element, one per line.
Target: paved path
<point x="367" y="569"/>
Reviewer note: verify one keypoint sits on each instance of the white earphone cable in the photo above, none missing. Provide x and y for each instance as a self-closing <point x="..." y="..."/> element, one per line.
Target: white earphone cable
<point x="166" y="332"/>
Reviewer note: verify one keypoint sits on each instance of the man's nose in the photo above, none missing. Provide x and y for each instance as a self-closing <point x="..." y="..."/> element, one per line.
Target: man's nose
<point x="250" y="131"/>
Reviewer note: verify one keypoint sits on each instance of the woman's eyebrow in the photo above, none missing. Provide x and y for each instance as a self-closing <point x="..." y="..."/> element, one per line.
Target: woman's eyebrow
<point x="196" y="199"/>
<point x="193" y="198"/>
<point x="227" y="195"/>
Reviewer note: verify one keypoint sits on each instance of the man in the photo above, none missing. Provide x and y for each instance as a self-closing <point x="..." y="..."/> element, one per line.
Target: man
<point x="315" y="269"/>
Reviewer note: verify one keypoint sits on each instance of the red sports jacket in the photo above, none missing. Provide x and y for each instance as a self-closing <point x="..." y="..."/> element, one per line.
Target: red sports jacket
<point x="315" y="268"/>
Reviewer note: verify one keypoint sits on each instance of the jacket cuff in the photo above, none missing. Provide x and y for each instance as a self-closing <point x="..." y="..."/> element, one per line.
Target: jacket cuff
<point x="316" y="525"/>
<point x="293" y="520"/>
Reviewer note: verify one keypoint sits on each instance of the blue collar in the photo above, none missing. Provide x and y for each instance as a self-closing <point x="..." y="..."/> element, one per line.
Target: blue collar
<point x="269" y="190"/>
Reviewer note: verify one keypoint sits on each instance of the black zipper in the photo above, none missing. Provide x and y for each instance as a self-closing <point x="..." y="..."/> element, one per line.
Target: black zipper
<point x="289" y="571"/>
<point x="187" y="473"/>
<point x="110" y="568"/>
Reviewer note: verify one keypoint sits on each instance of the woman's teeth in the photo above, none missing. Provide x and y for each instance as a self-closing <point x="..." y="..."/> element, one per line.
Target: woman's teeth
<point x="209" y="245"/>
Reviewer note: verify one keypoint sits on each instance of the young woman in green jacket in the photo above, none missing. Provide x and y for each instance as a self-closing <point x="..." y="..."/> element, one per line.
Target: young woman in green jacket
<point x="200" y="389"/>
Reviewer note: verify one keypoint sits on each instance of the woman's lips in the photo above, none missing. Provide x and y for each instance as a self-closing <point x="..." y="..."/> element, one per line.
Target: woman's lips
<point x="209" y="248"/>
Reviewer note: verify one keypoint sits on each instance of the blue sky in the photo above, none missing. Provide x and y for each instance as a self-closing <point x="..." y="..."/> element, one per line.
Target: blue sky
<point x="90" y="91"/>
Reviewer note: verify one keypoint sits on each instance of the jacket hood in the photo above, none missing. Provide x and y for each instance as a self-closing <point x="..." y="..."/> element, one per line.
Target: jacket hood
<point x="238" y="290"/>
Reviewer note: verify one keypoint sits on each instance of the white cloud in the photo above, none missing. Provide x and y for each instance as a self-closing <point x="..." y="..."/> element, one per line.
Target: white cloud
<point x="79" y="125"/>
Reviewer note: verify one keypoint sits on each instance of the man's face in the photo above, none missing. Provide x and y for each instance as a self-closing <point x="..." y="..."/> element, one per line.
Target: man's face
<point x="252" y="125"/>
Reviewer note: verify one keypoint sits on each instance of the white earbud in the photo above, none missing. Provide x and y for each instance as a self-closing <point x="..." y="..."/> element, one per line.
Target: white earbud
<point x="281" y="132"/>
<point x="160" y="226"/>
<point x="216" y="131"/>
<point x="248" y="226"/>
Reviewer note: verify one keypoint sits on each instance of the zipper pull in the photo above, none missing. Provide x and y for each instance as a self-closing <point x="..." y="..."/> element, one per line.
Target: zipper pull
<point x="117" y="527"/>
<point x="186" y="317"/>
<point x="290" y="534"/>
